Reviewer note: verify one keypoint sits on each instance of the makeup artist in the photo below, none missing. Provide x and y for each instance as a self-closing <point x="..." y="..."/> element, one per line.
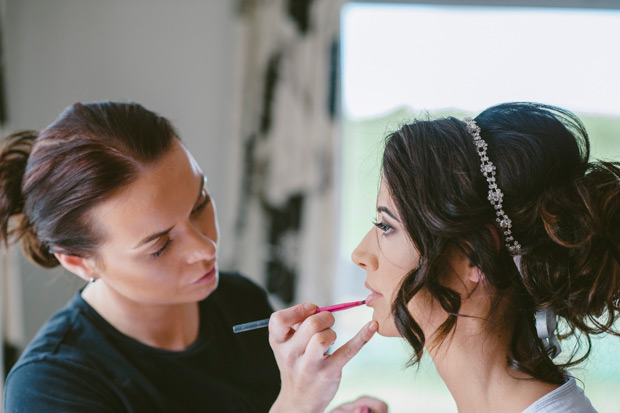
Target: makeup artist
<point x="109" y="192"/>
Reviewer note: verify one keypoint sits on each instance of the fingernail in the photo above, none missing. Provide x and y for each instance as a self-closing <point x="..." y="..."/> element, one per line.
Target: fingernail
<point x="373" y="326"/>
<point x="309" y="307"/>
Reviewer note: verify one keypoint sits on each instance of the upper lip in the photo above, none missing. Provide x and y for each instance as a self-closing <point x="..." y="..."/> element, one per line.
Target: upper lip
<point x="211" y="268"/>
<point x="368" y="286"/>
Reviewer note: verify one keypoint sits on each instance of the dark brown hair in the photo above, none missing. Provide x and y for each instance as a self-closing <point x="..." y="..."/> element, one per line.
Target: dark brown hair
<point x="50" y="180"/>
<point x="565" y="213"/>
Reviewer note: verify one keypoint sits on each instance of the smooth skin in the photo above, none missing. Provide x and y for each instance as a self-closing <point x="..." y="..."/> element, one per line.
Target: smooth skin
<point x="473" y="361"/>
<point x="310" y="378"/>
<point x="158" y="257"/>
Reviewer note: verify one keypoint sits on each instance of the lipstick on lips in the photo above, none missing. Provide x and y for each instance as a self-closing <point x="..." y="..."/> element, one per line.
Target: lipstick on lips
<point x="206" y="278"/>
<point x="372" y="296"/>
<point x="253" y="325"/>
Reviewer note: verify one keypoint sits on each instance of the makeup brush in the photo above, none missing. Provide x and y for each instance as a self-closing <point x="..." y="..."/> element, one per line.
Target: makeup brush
<point x="253" y="325"/>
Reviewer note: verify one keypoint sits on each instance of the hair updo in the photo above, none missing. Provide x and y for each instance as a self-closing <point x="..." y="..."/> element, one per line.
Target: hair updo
<point x="50" y="180"/>
<point x="565" y="213"/>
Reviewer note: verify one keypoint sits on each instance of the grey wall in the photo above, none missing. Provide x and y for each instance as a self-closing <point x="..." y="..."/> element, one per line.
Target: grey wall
<point x="174" y="57"/>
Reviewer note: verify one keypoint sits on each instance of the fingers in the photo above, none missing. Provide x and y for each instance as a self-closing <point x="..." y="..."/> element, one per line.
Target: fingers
<point x="320" y="342"/>
<point x="281" y="322"/>
<point x="316" y="328"/>
<point x="353" y="346"/>
<point x="371" y="404"/>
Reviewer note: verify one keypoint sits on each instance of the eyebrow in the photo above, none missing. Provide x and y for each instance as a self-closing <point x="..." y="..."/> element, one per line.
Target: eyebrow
<point x="387" y="211"/>
<point x="152" y="237"/>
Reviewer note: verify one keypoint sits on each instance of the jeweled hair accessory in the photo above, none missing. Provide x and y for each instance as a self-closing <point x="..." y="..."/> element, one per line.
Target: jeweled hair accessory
<point x="495" y="194"/>
<point x="545" y="319"/>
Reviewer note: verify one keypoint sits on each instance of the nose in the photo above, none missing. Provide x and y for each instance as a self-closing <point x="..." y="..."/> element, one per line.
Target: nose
<point x="200" y="247"/>
<point x="364" y="254"/>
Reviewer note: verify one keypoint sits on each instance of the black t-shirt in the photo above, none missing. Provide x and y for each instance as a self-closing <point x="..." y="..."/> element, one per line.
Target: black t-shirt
<point x="78" y="362"/>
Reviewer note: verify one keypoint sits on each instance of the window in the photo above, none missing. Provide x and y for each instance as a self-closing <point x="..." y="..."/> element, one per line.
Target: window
<point x="401" y="60"/>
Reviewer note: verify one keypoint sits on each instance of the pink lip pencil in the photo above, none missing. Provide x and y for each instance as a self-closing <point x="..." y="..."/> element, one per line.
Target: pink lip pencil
<point x="253" y="325"/>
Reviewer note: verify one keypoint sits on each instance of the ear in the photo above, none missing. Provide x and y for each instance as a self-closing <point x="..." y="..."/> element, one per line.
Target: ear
<point x="465" y="267"/>
<point x="474" y="274"/>
<point x="82" y="267"/>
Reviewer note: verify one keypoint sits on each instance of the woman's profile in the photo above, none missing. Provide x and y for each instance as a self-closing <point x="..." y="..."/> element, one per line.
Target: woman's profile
<point x="109" y="192"/>
<point x="488" y="232"/>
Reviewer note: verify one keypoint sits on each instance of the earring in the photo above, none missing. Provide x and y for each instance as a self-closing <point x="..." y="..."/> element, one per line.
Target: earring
<point x="92" y="280"/>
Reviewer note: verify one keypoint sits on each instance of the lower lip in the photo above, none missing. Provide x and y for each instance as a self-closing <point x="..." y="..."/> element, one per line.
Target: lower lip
<point x="373" y="296"/>
<point x="207" y="278"/>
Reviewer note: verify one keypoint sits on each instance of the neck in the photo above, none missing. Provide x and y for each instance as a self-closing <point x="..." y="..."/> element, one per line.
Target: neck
<point x="165" y="326"/>
<point x="474" y="368"/>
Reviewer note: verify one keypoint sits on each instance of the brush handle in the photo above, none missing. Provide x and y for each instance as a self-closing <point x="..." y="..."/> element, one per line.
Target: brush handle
<point x="239" y="328"/>
<point x="253" y="325"/>
<point x="340" y="307"/>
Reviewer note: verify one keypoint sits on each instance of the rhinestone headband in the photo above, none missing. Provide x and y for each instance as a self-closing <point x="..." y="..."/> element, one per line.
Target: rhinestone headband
<point x="495" y="194"/>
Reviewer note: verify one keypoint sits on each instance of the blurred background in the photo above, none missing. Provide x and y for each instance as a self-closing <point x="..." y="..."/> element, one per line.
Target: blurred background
<point x="285" y="103"/>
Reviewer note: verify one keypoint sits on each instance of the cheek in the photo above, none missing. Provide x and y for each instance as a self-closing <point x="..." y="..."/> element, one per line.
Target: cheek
<point x="421" y="309"/>
<point x="426" y="312"/>
<point x="387" y="326"/>
<point x="398" y="253"/>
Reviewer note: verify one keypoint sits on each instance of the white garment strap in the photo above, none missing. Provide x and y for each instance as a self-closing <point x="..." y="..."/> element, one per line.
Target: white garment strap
<point x="545" y="327"/>
<point x="546" y="323"/>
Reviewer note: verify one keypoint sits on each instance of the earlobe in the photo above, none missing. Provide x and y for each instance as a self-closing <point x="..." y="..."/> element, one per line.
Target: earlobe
<point x="475" y="275"/>
<point x="469" y="270"/>
<point x="77" y="265"/>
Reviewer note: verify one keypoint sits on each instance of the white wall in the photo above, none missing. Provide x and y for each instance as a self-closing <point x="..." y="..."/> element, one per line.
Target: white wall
<point x="174" y="57"/>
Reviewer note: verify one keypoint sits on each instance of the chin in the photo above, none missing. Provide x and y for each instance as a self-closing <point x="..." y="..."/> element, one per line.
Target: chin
<point x="388" y="331"/>
<point x="205" y="291"/>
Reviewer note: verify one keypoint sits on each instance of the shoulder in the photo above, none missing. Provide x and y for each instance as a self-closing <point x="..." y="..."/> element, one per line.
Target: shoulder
<point x="54" y="383"/>
<point x="568" y="398"/>
<point x="54" y="370"/>
<point x="56" y="334"/>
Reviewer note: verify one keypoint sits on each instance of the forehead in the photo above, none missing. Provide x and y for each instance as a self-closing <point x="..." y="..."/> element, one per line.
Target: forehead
<point x="154" y="201"/>
<point x="384" y="197"/>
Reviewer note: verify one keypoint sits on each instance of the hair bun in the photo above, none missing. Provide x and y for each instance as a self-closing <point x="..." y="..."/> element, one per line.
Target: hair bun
<point x="580" y="279"/>
<point x="14" y="155"/>
<point x="13" y="160"/>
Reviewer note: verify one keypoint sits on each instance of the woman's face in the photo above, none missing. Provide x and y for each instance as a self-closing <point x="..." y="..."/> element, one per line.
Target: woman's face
<point x="388" y="255"/>
<point x="160" y="235"/>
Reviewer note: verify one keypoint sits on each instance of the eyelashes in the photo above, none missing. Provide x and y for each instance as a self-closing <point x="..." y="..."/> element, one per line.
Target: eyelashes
<point x="383" y="226"/>
<point x="203" y="204"/>
<point x="160" y="251"/>
<point x="199" y="208"/>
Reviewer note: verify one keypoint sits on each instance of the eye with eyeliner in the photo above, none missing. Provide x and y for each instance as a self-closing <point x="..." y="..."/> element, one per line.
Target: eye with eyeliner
<point x="383" y="226"/>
